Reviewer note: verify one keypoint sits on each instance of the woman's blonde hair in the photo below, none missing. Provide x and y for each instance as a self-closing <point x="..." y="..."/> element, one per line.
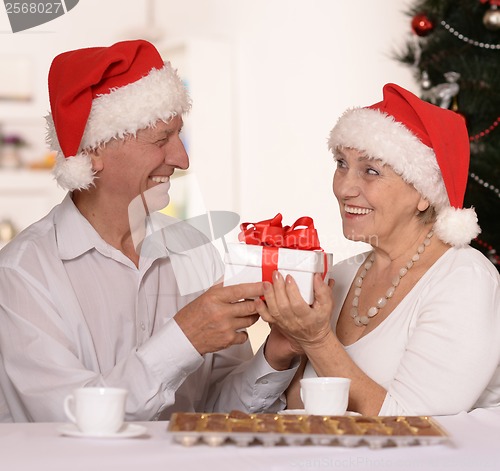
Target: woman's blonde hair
<point x="427" y="216"/>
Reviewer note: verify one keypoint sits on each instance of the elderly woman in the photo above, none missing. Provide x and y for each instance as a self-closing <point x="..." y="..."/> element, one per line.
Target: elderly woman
<point x="415" y="322"/>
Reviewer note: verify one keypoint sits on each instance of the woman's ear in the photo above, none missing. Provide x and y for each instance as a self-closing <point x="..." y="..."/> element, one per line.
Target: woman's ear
<point x="423" y="204"/>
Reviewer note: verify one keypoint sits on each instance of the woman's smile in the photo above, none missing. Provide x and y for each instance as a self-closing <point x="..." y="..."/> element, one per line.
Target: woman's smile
<point x="356" y="210"/>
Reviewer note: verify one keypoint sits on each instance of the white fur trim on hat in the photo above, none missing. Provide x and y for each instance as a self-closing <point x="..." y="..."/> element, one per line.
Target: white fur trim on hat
<point x="160" y="95"/>
<point x="380" y="136"/>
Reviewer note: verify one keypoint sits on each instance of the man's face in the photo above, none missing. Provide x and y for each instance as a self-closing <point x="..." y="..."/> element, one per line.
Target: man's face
<point x="143" y="164"/>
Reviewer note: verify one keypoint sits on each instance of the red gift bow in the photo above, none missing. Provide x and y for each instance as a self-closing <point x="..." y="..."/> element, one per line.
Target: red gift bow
<point x="301" y="235"/>
<point x="272" y="235"/>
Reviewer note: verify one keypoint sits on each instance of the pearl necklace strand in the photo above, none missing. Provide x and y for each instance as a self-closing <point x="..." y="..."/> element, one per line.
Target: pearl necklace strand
<point x="361" y="321"/>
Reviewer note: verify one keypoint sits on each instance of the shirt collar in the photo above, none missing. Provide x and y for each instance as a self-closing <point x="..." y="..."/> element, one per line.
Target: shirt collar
<point x="74" y="233"/>
<point x="75" y="236"/>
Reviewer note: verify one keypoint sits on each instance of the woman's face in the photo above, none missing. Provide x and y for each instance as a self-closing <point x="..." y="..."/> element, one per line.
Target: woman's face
<point x="377" y="206"/>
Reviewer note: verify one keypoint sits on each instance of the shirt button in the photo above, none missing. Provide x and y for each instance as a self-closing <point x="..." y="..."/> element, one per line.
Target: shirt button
<point x="143" y="327"/>
<point x="264" y="381"/>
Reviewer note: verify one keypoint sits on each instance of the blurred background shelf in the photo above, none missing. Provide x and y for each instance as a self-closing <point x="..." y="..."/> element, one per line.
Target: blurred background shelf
<point x="25" y="196"/>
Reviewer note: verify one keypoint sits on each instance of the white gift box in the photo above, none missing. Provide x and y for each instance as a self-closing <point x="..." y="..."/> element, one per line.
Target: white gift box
<point x="244" y="265"/>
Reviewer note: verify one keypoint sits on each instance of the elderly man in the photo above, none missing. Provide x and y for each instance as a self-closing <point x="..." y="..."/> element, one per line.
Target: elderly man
<point x="97" y="293"/>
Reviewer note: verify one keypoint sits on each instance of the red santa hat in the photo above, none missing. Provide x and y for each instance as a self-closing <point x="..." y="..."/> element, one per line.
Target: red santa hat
<point x="100" y="93"/>
<point x="426" y="145"/>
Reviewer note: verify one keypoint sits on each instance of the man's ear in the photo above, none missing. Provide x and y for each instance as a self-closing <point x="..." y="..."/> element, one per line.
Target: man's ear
<point x="96" y="159"/>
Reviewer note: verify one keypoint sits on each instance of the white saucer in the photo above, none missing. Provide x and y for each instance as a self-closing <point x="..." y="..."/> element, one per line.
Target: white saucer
<point x="292" y="412"/>
<point x="303" y="412"/>
<point x="127" y="431"/>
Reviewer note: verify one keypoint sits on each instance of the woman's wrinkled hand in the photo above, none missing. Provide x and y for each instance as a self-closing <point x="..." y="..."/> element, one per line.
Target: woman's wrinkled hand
<point x="301" y="324"/>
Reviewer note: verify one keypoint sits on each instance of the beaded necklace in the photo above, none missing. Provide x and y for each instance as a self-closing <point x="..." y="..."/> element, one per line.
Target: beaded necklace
<point x="361" y="321"/>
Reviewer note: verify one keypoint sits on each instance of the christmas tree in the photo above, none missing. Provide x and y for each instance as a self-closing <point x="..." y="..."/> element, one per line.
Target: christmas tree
<point x="454" y="51"/>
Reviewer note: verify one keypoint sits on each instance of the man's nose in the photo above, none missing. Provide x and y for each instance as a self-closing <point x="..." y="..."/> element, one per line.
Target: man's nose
<point x="176" y="156"/>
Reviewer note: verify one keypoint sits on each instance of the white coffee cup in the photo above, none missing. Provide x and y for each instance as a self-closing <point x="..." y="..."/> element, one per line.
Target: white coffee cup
<point x="97" y="410"/>
<point x="325" y="395"/>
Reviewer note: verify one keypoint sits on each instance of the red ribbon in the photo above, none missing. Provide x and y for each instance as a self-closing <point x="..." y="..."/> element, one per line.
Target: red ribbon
<point x="272" y="235"/>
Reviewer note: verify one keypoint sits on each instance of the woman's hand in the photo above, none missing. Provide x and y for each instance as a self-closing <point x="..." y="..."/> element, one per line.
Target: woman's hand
<point x="301" y="324"/>
<point x="309" y="327"/>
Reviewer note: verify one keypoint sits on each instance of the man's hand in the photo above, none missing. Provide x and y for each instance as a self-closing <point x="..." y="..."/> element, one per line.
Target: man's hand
<point x="214" y="320"/>
<point x="281" y="350"/>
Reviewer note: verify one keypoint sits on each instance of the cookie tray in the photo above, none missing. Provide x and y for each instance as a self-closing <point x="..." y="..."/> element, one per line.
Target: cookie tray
<point x="241" y="429"/>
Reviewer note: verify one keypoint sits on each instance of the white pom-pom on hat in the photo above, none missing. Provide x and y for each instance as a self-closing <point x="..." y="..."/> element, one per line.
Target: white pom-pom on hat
<point x="456" y="226"/>
<point x="74" y="172"/>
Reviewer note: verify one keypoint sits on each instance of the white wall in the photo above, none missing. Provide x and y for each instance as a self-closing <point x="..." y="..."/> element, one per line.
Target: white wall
<point x="90" y="23"/>
<point x="296" y="65"/>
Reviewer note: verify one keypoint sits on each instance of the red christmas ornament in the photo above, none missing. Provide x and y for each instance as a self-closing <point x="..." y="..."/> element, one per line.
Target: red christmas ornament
<point x="422" y="25"/>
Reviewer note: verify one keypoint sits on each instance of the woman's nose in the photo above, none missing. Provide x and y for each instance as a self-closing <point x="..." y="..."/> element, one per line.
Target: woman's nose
<point x="346" y="184"/>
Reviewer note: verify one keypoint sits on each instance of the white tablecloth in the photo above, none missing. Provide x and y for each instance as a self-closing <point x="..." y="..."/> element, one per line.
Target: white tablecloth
<point x="39" y="447"/>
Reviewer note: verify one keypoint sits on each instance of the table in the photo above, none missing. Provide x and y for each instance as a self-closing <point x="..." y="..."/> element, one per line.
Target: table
<point x="39" y="447"/>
